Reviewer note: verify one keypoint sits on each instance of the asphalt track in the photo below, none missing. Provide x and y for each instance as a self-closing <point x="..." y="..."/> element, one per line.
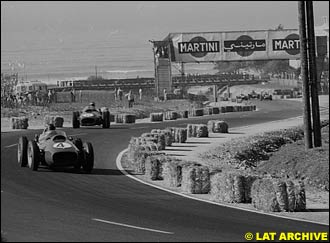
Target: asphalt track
<point x="63" y="206"/>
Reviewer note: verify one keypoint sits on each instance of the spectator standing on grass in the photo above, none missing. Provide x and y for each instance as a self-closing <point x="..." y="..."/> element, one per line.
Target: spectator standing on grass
<point x="49" y="96"/>
<point x="165" y="95"/>
<point x="140" y="93"/>
<point x="115" y="93"/>
<point x="120" y="94"/>
<point x="130" y="98"/>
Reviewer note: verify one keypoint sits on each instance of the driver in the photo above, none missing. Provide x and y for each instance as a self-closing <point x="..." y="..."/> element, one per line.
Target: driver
<point x="48" y="132"/>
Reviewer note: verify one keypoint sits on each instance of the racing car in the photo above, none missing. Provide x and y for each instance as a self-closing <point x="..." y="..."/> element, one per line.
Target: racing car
<point x="53" y="149"/>
<point x="266" y="96"/>
<point x="90" y="116"/>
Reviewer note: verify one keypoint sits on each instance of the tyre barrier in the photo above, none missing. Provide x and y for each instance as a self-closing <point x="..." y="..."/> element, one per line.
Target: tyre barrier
<point x="215" y="110"/>
<point x="231" y="187"/>
<point x="216" y="126"/>
<point x="154" y="117"/>
<point x="57" y="121"/>
<point x="171" y="115"/>
<point x="275" y="195"/>
<point x="19" y="122"/>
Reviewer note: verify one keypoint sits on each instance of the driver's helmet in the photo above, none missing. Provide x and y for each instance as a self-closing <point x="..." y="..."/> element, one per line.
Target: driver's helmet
<point x="92" y="104"/>
<point x="51" y="127"/>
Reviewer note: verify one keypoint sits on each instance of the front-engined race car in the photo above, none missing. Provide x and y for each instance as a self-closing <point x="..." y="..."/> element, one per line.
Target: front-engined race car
<point x="91" y="117"/>
<point x="53" y="148"/>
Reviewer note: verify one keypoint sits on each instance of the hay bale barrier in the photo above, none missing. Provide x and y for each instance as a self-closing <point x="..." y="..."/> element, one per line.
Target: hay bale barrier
<point x="172" y="174"/>
<point x="275" y="195"/>
<point x="179" y="134"/>
<point x="171" y="115"/>
<point x="128" y="118"/>
<point x="57" y="121"/>
<point x="167" y="133"/>
<point x="231" y="187"/>
<point x="183" y="114"/>
<point x="216" y="126"/>
<point x="195" y="179"/>
<point x="154" y="117"/>
<point x="19" y="122"/>
<point x="196" y="112"/>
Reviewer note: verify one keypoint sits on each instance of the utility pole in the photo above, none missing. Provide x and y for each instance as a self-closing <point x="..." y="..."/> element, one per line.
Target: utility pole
<point x="313" y="75"/>
<point x="304" y="75"/>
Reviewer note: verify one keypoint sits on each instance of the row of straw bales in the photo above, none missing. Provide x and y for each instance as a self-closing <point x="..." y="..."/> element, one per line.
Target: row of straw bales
<point x="217" y="126"/>
<point x="19" y="122"/>
<point x="124" y="118"/>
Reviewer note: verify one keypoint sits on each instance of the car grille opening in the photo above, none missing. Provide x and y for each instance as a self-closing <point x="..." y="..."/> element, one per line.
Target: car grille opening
<point x="64" y="158"/>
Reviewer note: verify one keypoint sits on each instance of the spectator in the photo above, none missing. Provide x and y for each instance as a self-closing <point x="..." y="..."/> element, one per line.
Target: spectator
<point x="73" y="95"/>
<point x="130" y="98"/>
<point x="165" y="95"/>
<point x="49" y="96"/>
<point x="120" y="94"/>
<point x="140" y="93"/>
<point x="115" y="93"/>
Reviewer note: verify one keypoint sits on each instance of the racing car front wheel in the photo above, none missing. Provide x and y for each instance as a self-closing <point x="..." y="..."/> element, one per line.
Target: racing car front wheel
<point x="33" y="155"/>
<point x="22" y="151"/>
<point x="88" y="162"/>
<point x="75" y="120"/>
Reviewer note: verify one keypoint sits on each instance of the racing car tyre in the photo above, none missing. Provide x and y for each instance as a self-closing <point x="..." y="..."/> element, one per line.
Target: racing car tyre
<point x="106" y="119"/>
<point x="75" y="121"/>
<point x="88" y="162"/>
<point x="79" y="144"/>
<point x="33" y="155"/>
<point x="22" y="151"/>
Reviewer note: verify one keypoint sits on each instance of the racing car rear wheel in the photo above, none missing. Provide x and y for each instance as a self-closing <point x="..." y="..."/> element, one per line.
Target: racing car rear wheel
<point x="33" y="155"/>
<point x="79" y="144"/>
<point x="22" y="151"/>
<point x="75" y="120"/>
<point x="106" y="119"/>
<point x="88" y="162"/>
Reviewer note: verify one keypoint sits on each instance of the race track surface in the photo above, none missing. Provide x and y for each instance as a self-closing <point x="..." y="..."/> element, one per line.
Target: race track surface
<point x="108" y="206"/>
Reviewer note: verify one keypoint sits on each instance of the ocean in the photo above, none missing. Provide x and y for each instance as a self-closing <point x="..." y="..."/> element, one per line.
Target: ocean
<point x="49" y="57"/>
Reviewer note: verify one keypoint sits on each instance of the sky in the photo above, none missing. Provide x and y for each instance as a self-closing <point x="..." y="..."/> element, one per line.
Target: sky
<point x="155" y="18"/>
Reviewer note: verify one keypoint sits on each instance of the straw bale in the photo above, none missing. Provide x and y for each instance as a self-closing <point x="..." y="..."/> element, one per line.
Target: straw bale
<point x="223" y="109"/>
<point x="220" y="127"/>
<point x="246" y="108"/>
<point x="171" y="115"/>
<point x="152" y="169"/>
<point x="300" y="197"/>
<point x="156" y="117"/>
<point x="215" y="110"/>
<point x="188" y="179"/>
<point x="290" y="189"/>
<point x="183" y="114"/>
<point x="248" y="181"/>
<point x="172" y="174"/>
<point x="229" y="108"/>
<point x="210" y="125"/>
<point x="281" y="194"/>
<point x="264" y="196"/>
<point x="19" y="122"/>
<point x="190" y="128"/>
<point x="128" y="118"/>
<point x="118" y="118"/>
<point x="181" y="135"/>
<point x="202" y="131"/>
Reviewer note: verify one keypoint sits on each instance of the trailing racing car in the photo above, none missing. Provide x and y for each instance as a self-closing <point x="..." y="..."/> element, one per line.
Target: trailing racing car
<point x="53" y="148"/>
<point x="90" y="116"/>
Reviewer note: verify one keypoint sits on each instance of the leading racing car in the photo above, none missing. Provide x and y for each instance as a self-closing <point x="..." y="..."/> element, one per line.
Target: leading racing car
<point x="90" y="116"/>
<point x="53" y="148"/>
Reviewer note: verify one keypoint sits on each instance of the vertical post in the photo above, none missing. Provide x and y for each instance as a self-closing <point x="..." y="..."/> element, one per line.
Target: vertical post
<point x="95" y="72"/>
<point x="313" y="75"/>
<point x="304" y="75"/>
<point x="155" y="65"/>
